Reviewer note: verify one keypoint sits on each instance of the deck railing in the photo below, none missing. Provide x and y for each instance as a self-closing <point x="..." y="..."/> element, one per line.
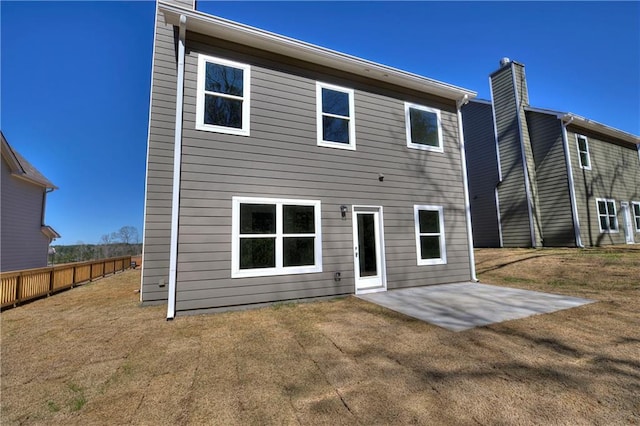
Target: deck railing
<point x="19" y="286"/>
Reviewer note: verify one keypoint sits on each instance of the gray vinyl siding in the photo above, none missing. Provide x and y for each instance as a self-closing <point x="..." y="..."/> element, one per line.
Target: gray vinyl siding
<point x="514" y="214"/>
<point x="523" y="100"/>
<point x="22" y="243"/>
<point x="157" y="221"/>
<point x="614" y="174"/>
<point x="281" y="159"/>
<point x="482" y="171"/>
<point x="554" y="199"/>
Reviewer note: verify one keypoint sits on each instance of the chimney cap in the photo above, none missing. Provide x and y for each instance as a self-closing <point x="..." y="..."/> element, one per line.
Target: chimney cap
<point x="504" y="61"/>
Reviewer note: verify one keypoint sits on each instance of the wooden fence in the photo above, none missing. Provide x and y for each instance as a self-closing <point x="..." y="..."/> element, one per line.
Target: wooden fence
<point x="20" y="286"/>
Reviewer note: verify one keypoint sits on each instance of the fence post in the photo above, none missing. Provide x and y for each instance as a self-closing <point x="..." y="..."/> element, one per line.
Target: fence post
<point x="91" y="272"/>
<point x="18" y="289"/>
<point x="51" y="276"/>
<point x="73" y="277"/>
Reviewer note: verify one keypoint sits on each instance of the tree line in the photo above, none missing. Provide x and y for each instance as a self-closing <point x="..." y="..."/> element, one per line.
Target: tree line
<point x="124" y="242"/>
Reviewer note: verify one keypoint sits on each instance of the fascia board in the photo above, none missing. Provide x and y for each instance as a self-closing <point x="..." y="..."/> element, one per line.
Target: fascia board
<point x="243" y="34"/>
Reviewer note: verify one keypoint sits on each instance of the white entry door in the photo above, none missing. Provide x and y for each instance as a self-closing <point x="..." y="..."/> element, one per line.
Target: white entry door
<point x="626" y="222"/>
<point x="368" y="251"/>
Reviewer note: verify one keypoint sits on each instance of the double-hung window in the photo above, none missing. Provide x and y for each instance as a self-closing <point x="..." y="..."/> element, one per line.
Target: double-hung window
<point x="335" y="116"/>
<point x="275" y="237"/>
<point x="583" y="152"/>
<point x="223" y="95"/>
<point x="429" y="228"/>
<point x="424" y="128"/>
<point x="636" y="214"/>
<point x="607" y="216"/>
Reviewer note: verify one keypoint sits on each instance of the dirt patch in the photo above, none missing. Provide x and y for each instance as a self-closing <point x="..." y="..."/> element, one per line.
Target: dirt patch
<point x="92" y="355"/>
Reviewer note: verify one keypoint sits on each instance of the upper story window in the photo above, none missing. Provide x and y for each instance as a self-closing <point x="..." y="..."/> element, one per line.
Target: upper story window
<point x="223" y="96"/>
<point x="430" y="243"/>
<point x="335" y="116"/>
<point x="275" y="237"/>
<point x="607" y="216"/>
<point x="636" y="214"/>
<point x="424" y="128"/>
<point x="583" y="152"/>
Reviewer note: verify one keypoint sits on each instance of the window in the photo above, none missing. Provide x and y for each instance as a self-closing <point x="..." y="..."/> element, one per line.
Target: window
<point x="424" y="129"/>
<point x="335" y="117"/>
<point x="607" y="215"/>
<point x="222" y="103"/>
<point x="583" y="152"/>
<point x="636" y="214"/>
<point x="275" y="237"/>
<point x="430" y="244"/>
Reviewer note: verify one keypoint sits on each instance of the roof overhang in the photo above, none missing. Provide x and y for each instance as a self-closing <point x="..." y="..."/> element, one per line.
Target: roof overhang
<point x="51" y="233"/>
<point x="224" y="29"/>
<point x="585" y="123"/>
<point x="16" y="167"/>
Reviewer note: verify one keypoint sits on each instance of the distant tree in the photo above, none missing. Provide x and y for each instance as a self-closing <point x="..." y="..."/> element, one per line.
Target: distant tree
<point x="128" y="235"/>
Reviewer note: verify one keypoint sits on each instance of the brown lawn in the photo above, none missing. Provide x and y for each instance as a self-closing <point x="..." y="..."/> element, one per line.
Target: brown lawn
<point x="92" y="355"/>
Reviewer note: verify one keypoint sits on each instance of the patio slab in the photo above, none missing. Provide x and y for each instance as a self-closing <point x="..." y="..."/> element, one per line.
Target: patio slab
<point x="462" y="306"/>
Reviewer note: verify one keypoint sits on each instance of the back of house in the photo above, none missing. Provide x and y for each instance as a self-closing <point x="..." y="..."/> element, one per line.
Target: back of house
<point x="278" y="170"/>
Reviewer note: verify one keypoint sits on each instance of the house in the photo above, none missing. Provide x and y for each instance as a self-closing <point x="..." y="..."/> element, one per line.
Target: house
<point x="539" y="177"/>
<point x="278" y="170"/>
<point x="24" y="237"/>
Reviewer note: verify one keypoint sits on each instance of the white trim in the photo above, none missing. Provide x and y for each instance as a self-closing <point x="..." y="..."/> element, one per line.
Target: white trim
<point x="381" y="256"/>
<point x="498" y="215"/>
<point x="572" y="189"/>
<point x="146" y="170"/>
<point x="245" y="98"/>
<point x="608" y="215"/>
<point x="279" y="269"/>
<point x="636" y="218"/>
<point x="351" y="118"/>
<point x="495" y="132"/>
<point x="224" y="29"/>
<point x="525" y="166"/>
<point x="177" y="164"/>
<point x="465" y="187"/>
<point x="407" y="118"/>
<point x="586" y="143"/>
<point x="442" y="260"/>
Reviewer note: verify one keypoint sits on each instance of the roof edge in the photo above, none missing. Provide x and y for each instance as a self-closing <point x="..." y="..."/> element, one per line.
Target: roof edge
<point x="588" y="124"/>
<point x="246" y="35"/>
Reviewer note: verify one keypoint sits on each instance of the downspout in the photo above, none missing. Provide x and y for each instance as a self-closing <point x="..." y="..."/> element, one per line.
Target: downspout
<point x="465" y="181"/>
<point x="177" y="159"/>
<point x="572" y="191"/>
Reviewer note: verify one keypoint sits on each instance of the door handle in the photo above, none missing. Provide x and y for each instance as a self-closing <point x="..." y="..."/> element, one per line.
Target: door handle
<point x="356" y="251"/>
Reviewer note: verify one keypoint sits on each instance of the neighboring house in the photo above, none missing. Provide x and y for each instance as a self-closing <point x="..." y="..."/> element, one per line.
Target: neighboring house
<point x="24" y="238"/>
<point x="539" y="177"/>
<point x="279" y="170"/>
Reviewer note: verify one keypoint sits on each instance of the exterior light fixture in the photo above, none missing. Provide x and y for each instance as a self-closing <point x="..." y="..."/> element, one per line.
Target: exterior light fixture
<point x="343" y="211"/>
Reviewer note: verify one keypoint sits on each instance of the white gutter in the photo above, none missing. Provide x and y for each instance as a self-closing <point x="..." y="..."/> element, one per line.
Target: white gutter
<point x="572" y="191"/>
<point x="225" y="29"/>
<point x="525" y="167"/>
<point x="177" y="159"/>
<point x="146" y="174"/>
<point x="465" y="181"/>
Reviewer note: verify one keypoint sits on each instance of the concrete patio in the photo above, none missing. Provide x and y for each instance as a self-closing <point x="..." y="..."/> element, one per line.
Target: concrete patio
<point x="462" y="306"/>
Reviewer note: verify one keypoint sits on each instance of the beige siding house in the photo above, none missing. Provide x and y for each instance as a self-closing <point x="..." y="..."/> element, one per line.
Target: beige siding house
<point x="557" y="179"/>
<point x="278" y="170"/>
<point x="24" y="237"/>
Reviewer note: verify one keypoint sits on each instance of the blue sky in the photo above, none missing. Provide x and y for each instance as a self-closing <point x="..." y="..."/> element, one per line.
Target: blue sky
<point x="75" y="76"/>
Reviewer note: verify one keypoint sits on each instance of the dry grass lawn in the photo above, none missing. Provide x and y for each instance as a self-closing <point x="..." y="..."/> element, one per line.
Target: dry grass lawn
<point x="92" y="355"/>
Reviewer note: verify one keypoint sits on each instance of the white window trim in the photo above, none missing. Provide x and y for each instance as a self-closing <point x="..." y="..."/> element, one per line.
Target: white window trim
<point x="246" y="99"/>
<point x="615" y="213"/>
<point x="352" y="117"/>
<point x="442" y="260"/>
<point x="633" y="214"/>
<point x="236" y="272"/>
<point x="586" y="144"/>
<point x="407" y="119"/>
